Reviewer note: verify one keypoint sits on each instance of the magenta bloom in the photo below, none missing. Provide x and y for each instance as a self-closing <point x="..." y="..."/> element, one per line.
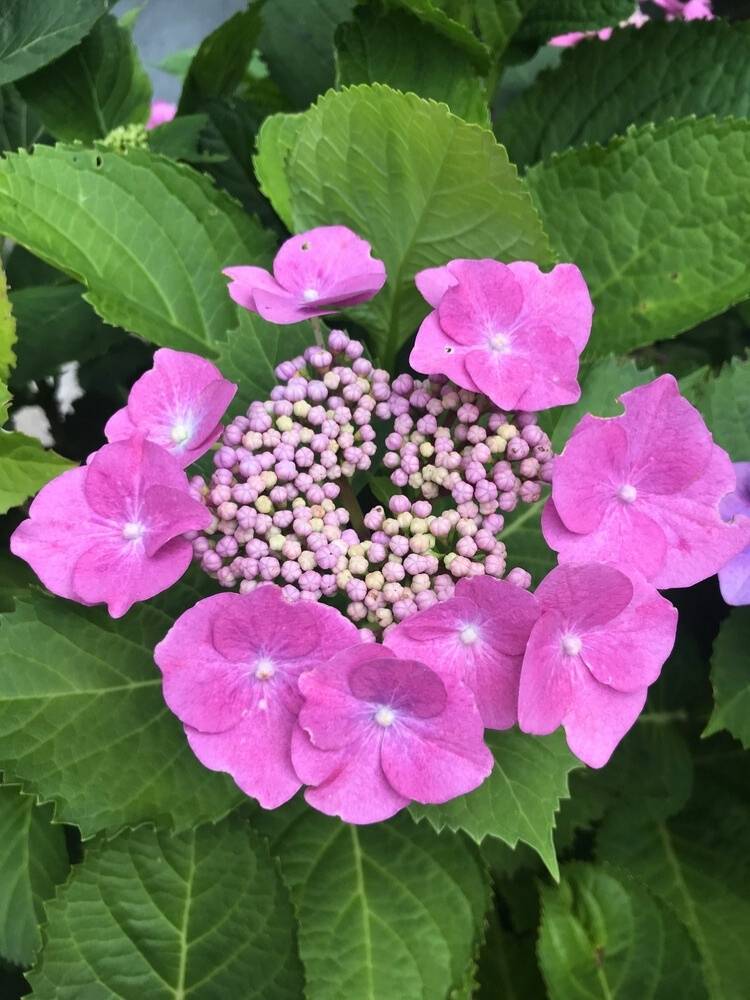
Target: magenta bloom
<point x="178" y="404"/>
<point x="161" y="112"/>
<point x="642" y="491"/>
<point x="314" y="274"/>
<point x="734" y="576"/>
<point x="377" y="732"/>
<point x="479" y="636"/>
<point x="600" y="641"/>
<point x="507" y="330"/>
<point x="111" y="531"/>
<point x="230" y="668"/>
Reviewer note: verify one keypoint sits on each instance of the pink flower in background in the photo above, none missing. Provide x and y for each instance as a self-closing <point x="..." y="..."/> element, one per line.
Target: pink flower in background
<point x="734" y="576"/>
<point x="314" y="274"/>
<point x="686" y="10"/>
<point x="682" y="10"/>
<point x="478" y="636"/>
<point x="178" y="404"/>
<point x="601" y="640"/>
<point x="643" y="490"/>
<point x="161" y="112"/>
<point x="510" y="331"/>
<point x="110" y="532"/>
<point x="377" y="732"/>
<point x="230" y="668"/>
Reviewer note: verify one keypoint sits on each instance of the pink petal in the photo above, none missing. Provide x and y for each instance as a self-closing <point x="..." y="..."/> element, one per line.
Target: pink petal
<point x="559" y="299"/>
<point x="349" y="783"/>
<point x="246" y="280"/>
<point x="485" y="302"/>
<point x="502" y="377"/>
<point x="333" y="262"/>
<point x="433" y="283"/>
<point x="435" y="353"/>
<point x="436" y="758"/>
<point x="263" y="624"/>
<point x="119" y="427"/>
<point x="599" y="718"/>
<point x="734" y="579"/>
<point x="588" y="475"/>
<point x="168" y="513"/>
<point x="120" y="473"/>
<point x="738" y="501"/>
<point x="161" y="112"/>
<point x="545" y="693"/>
<point x="586" y="596"/>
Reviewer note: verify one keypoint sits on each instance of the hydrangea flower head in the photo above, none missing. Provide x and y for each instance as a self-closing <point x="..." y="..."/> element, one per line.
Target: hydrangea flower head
<point x="161" y="112"/>
<point x="642" y="490"/>
<point x="177" y="404"/>
<point x="734" y="576"/>
<point x="111" y="531"/>
<point x="230" y="669"/>
<point x="480" y="636"/>
<point x="601" y="639"/>
<point x="376" y="732"/>
<point x="314" y="274"/>
<point x="509" y="331"/>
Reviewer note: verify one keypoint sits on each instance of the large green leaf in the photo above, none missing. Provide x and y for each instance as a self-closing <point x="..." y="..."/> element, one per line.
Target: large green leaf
<point x="699" y="865"/>
<point x="33" y="860"/>
<point x="276" y="139"/>
<point x="407" y="55"/>
<point x="605" y="936"/>
<point x="557" y="17"/>
<point x="390" y="910"/>
<point x="730" y="678"/>
<point x="147" y="236"/>
<point x="25" y="466"/>
<point x="725" y="403"/>
<point x="154" y="916"/>
<point x="421" y="185"/>
<point x="19" y="124"/>
<point x="83" y="722"/>
<point x="7" y="330"/>
<point x="33" y="34"/>
<point x="519" y="800"/>
<point x="431" y="13"/>
<point x="92" y="88"/>
<point x="665" y="71"/>
<point x="297" y="43"/>
<point x="658" y="222"/>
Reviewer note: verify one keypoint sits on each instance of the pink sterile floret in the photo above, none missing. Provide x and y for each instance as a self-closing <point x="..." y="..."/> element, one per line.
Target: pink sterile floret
<point x="178" y="404"/>
<point x="642" y="491"/>
<point x="111" y="531"/>
<point x="377" y="732"/>
<point x="161" y="112"/>
<point x="600" y="641"/>
<point x="734" y="577"/>
<point x="230" y="668"/>
<point x="314" y="274"/>
<point x="479" y="636"/>
<point x="507" y="330"/>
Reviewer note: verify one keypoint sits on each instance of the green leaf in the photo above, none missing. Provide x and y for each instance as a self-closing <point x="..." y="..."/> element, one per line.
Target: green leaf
<point x="385" y="911"/>
<point x="19" y="124"/>
<point x="219" y="65"/>
<point x="557" y="17"/>
<point x="697" y="863"/>
<point x="83" y="722"/>
<point x="297" y="44"/>
<point x="605" y="936"/>
<point x="666" y="71"/>
<point x="7" y="330"/>
<point x="56" y="325"/>
<point x="252" y="351"/>
<point x="508" y="967"/>
<point x="93" y="88"/>
<point x="731" y="679"/>
<point x="725" y="403"/>
<point x="25" y="466"/>
<point x="430" y="13"/>
<point x="276" y="139"/>
<point x="147" y="236"/>
<point x="405" y="54"/>
<point x="178" y="63"/>
<point x="149" y="915"/>
<point x="498" y="21"/>
<point x="519" y="800"/>
<point x="421" y="185"/>
<point x="33" y="860"/>
<point x="33" y="34"/>
<point x="657" y="221"/>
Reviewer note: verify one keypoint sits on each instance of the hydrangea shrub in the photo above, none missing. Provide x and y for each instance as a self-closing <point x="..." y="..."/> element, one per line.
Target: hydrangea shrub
<point x="373" y="616"/>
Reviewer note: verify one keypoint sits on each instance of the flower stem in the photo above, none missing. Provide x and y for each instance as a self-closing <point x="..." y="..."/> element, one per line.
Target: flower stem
<point x="348" y="499"/>
<point x="317" y="330"/>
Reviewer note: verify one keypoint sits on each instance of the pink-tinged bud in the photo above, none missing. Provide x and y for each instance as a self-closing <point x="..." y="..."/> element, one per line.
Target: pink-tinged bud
<point x="530" y="492"/>
<point x="404" y="609"/>
<point x="517" y="448"/>
<point x="309" y="581"/>
<point x="485" y="491"/>
<point x="211" y="562"/>
<point x="481" y="453"/>
<point x="399" y="545"/>
<point x="399" y="478"/>
<point x="494" y="565"/>
<point x="543" y="452"/>
<point x="377" y="553"/>
<point x="529" y="468"/>
<point x="291" y="571"/>
<point x="393" y="572"/>
<point x="507" y="501"/>
<point x="399" y="504"/>
<point x="462" y="492"/>
<point x="532" y="434"/>
<point x="519" y="578"/>
<point x="337" y="341"/>
<point x="466" y="546"/>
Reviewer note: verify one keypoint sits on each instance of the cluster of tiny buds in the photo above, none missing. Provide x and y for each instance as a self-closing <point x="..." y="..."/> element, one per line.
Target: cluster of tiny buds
<point x="280" y="469"/>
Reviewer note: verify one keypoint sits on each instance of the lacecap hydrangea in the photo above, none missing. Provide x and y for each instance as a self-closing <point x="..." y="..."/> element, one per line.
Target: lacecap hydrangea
<point x="361" y="654"/>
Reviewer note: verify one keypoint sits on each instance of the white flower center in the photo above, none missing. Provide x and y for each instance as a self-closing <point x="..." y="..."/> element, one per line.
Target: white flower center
<point x="627" y="493"/>
<point x="133" y="530"/>
<point x="385" y="716"/>
<point x="571" y="644"/>
<point x="500" y="343"/>
<point x="180" y="433"/>
<point x="468" y="635"/>
<point x="310" y="294"/>
<point x="264" y="669"/>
